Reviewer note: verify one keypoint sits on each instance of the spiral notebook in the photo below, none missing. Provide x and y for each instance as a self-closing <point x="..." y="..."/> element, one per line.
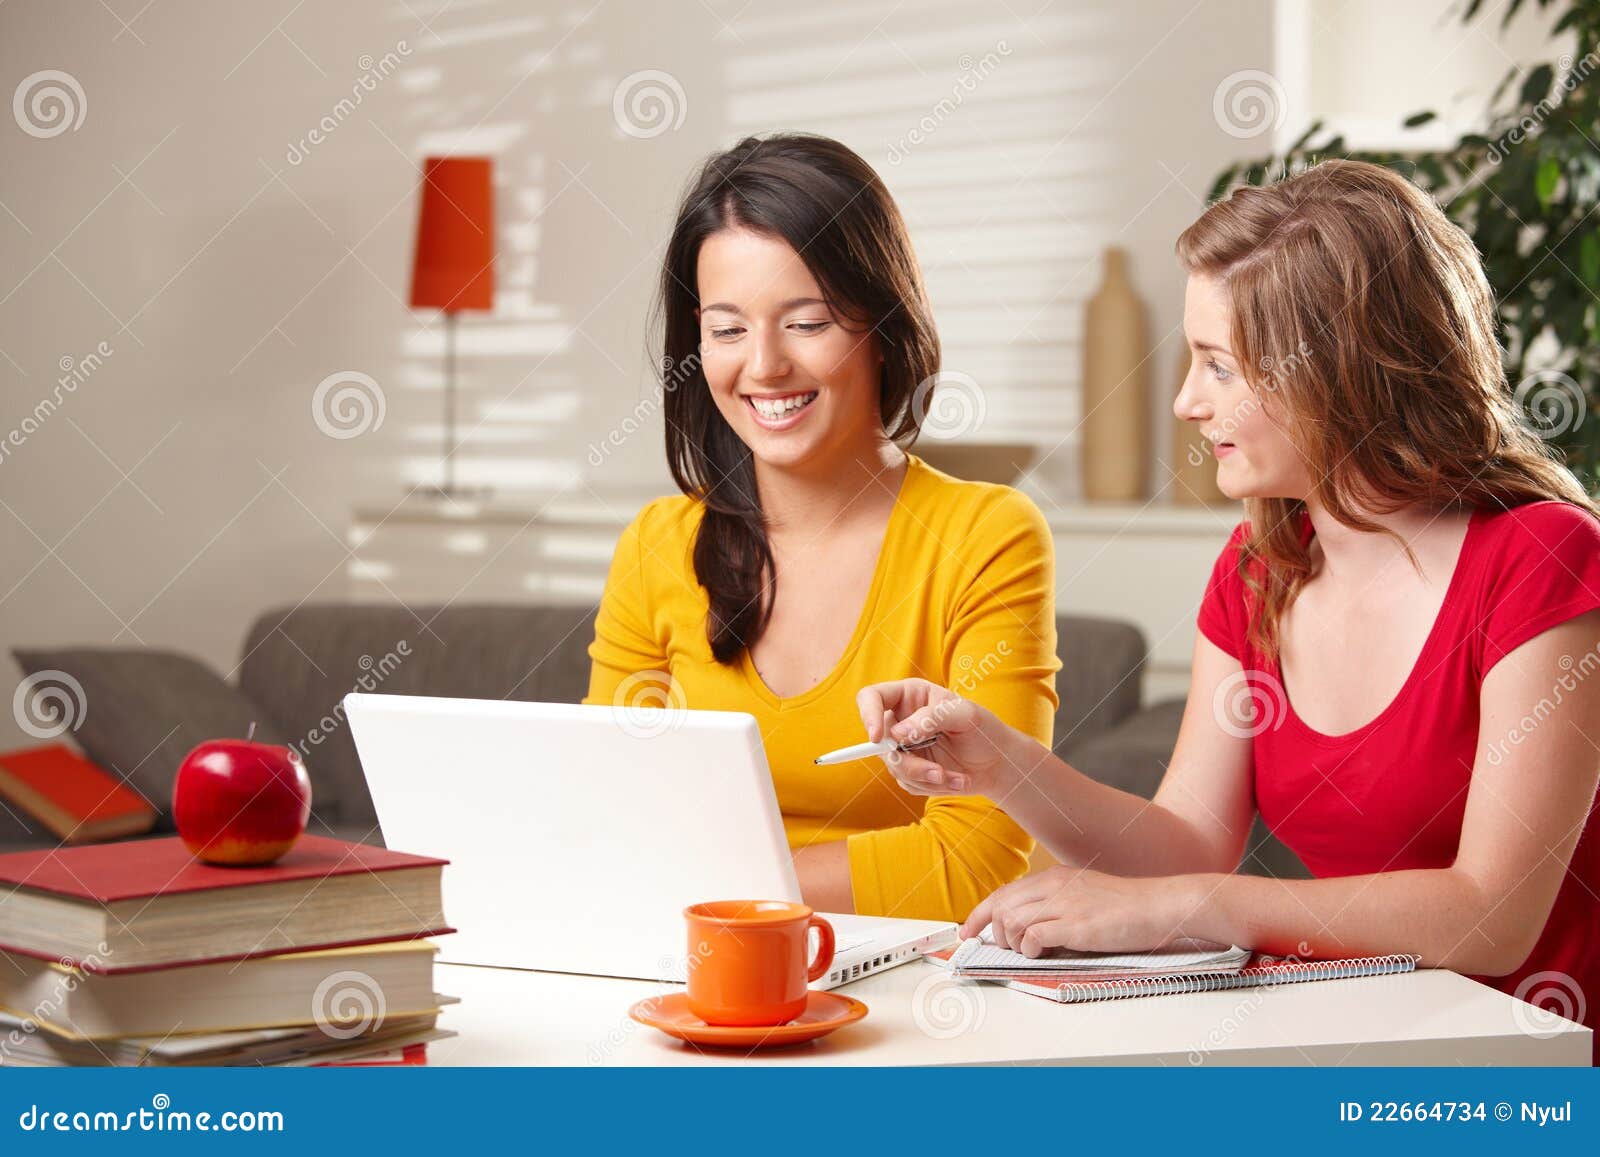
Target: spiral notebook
<point x="1073" y="977"/>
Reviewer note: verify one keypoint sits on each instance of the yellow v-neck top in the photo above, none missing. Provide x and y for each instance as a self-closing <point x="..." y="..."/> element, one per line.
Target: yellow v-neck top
<point x="963" y="595"/>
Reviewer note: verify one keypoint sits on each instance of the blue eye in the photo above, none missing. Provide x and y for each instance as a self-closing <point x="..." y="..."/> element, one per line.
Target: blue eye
<point x="1222" y="374"/>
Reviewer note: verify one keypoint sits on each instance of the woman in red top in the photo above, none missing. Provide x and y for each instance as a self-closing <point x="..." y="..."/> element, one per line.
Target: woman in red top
<point x="1398" y="662"/>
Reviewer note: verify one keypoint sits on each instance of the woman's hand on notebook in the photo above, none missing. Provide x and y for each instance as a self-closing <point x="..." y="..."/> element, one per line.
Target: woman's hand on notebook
<point x="973" y="754"/>
<point x="1085" y="910"/>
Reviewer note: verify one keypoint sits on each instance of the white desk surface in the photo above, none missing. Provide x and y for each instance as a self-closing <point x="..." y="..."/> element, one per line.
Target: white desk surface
<point x="919" y="1016"/>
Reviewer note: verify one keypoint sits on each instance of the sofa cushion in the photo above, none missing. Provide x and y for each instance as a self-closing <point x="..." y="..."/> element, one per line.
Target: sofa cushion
<point x="138" y="712"/>
<point x="1102" y="665"/>
<point x="300" y="663"/>
<point x="1133" y="755"/>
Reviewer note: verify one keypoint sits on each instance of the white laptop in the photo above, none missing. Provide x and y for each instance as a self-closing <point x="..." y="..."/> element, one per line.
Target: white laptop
<point x="577" y="835"/>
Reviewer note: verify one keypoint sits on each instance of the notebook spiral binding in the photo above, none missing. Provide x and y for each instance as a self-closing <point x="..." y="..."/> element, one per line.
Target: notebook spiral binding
<point x="1249" y="978"/>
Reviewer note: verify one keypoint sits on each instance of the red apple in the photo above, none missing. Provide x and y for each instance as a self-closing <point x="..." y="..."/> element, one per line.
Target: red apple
<point x="238" y="802"/>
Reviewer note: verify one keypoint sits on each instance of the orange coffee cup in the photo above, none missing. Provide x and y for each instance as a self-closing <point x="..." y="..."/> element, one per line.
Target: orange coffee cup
<point x="748" y="960"/>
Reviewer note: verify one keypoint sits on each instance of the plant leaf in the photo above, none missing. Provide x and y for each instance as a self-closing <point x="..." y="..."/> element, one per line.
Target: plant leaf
<point x="1546" y="180"/>
<point x="1537" y="86"/>
<point x="1589" y="259"/>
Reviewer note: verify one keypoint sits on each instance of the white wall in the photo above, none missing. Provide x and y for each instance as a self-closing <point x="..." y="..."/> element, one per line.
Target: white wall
<point x="1368" y="64"/>
<point x="230" y="265"/>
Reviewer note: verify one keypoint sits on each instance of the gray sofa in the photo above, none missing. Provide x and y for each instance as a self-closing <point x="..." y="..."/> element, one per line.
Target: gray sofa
<point x="298" y="664"/>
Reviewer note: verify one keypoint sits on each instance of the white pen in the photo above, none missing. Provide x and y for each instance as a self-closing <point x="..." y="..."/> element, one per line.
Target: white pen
<point x="868" y="750"/>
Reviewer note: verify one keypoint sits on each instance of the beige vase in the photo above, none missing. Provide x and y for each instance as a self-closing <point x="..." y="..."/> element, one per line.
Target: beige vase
<point x="1194" y="466"/>
<point x="1116" y="388"/>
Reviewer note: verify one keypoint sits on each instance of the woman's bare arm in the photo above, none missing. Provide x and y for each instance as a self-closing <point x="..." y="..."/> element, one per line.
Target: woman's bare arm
<point x="1197" y="822"/>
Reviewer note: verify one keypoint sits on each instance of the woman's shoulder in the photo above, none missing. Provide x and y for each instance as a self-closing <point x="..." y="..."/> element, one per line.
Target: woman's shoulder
<point x="1537" y="535"/>
<point x="667" y="519"/>
<point x="1549" y="523"/>
<point x="964" y="507"/>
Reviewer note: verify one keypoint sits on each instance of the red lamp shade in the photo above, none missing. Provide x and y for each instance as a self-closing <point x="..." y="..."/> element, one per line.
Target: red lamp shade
<point x="454" y="265"/>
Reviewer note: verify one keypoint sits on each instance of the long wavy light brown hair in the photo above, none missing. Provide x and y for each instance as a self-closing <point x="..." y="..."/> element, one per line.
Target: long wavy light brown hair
<point x="1363" y="321"/>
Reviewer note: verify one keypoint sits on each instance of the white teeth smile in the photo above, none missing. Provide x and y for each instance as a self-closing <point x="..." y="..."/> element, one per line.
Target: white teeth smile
<point x="782" y="407"/>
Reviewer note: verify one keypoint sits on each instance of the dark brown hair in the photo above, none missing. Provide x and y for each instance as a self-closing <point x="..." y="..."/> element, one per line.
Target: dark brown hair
<point x="1364" y="310"/>
<point x="832" y="209"/>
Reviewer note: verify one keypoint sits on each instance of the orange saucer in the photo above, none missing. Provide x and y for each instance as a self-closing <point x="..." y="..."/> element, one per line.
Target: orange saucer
<point x="824" y="1012"/>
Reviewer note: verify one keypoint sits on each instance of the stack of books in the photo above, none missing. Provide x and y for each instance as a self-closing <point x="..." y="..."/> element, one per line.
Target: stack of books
<point x="137" y="954"/>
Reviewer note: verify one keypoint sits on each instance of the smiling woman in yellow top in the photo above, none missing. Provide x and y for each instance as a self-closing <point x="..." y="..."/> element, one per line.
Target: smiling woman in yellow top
<point x="809" y="555"/>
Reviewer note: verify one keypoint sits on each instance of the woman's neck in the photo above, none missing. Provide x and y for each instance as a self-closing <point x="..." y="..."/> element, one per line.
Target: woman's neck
<point x="1348" y="551"/>
<point x="808" y="500"/>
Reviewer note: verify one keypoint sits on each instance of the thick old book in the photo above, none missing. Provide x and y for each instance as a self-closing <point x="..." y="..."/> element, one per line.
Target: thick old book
<point x="345" y="990"/>
<point x="113" y="908"/>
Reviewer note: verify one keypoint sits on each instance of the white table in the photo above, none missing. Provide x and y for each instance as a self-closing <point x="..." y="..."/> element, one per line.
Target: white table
<point x="919" y="1016"/>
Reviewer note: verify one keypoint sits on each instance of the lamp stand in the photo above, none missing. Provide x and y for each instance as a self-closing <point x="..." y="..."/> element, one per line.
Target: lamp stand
<point x="447" y="489"/>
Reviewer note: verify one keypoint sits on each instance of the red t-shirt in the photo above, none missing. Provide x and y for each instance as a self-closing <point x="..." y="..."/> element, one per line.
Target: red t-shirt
<point x="1390" y="795"/>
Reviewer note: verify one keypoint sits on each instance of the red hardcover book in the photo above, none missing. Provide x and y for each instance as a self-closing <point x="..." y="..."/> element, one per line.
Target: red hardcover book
<point x="122" y="907"/>
<point x="416" y="1054"/>
<point x="73" y="798"/>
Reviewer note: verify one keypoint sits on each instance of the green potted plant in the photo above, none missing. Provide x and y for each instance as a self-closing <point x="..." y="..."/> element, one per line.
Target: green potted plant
<point x="1526" y="190"/>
